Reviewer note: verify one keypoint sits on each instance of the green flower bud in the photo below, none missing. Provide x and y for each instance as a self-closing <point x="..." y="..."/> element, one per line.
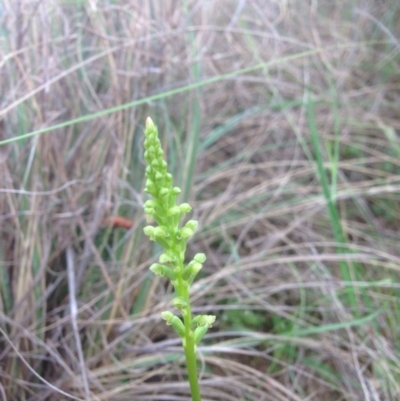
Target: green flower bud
<point x="176" y="190"/>
<point x="161" y="271"/>
<point x="154" y="164"/>
<point x="175" y="322"/>
<point x="149" y="208"/>
<point x="150" y="203"/>
<point x="167" y="316"/>
<point x="191" y="270"/>
<point x="164" y="192"/>
<point x="206" y="320"/>
<point x="157" y="269"/>
<point x="159" y="176"/>
<point x="200" y="257"/>
<point x="149" y="124"/>
<point x="166" y="258"/>
<point x="192" y="224"/>
<point x="172" y="211"/>
<point x="202" y="320"/>
<point x="199" y="333"/>
<point x="160" y="232"/>
<point x="150" y="187"/>
<point x="185" y="208"/>
<point x="195" y="322"/>
<point x="149" y="231"/>
<point x="186" y="232"/>
<point x="150" y="139"/>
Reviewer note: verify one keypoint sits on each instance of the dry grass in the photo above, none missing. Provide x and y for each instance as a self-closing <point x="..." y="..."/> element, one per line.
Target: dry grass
<point x="79" y="311"/>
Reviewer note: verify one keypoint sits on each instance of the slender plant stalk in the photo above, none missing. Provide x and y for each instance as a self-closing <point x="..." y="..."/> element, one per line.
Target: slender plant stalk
<point x="191" y="363"/>
<point x="168" y="232"/>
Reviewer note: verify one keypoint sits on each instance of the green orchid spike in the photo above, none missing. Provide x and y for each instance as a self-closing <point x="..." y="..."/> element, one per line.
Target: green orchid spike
<point x="167" y="231"/>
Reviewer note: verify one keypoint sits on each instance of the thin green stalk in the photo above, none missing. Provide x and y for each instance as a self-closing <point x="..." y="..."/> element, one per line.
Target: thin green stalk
<point x="191" y="362"/>
<point x="164" y="211"/>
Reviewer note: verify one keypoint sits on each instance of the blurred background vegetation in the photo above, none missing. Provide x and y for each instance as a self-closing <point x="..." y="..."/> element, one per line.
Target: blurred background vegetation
<point x="280" y="121"/>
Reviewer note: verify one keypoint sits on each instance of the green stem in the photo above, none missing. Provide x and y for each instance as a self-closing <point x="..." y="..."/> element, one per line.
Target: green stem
<point x="190" y="354"/>
<point x="189" y="346"/>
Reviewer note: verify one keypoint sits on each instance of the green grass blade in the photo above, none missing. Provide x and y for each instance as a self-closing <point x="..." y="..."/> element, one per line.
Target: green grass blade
<point x="330" y="202"/>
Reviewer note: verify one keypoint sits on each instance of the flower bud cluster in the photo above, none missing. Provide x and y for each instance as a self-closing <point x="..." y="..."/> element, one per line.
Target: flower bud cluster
<point x="164" y="211"/>
<point x="200" y="324"/>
